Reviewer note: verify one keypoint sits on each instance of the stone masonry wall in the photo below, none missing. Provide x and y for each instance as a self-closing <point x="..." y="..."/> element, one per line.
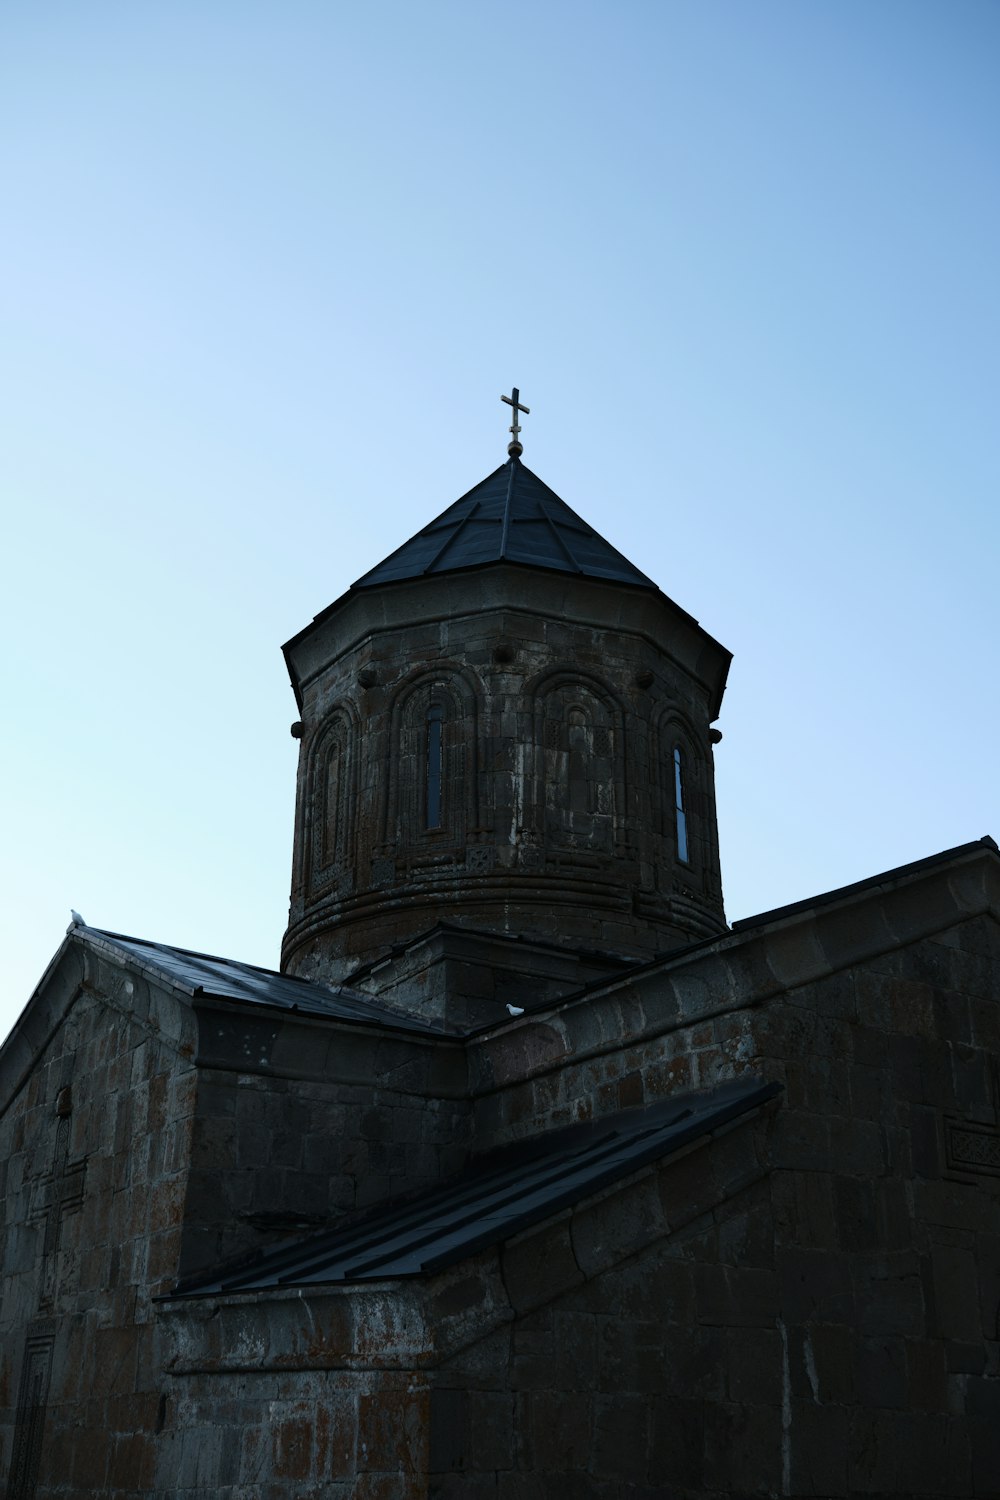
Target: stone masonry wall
<point x="93" y="1156"/>
<point x="300" y="1124"/>
<point x="477" y="1382"/>
<point x="299" y="1435"/>
<point x="806" y="1306"/>
<point x="832" y="1332"/>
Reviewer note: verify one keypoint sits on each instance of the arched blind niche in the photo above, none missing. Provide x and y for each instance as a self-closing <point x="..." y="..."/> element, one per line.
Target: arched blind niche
<point x="580" y="743"/>
<point x="432" y="765"/>
<point x="333" y="799"/>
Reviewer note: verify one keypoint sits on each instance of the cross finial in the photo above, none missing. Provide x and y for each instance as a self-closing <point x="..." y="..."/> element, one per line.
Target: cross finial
<point x="514" y="447"/>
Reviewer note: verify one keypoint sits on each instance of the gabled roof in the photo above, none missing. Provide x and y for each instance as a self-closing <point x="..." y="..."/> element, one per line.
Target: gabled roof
<point x="496" y="1199"/>
<point x="511" y="516"/>
<point x="203" y="974"/>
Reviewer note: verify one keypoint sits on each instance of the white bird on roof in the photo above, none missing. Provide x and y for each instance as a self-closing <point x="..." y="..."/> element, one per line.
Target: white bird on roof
<point x="515" y="1010"/>
<point x="77" y="919"/>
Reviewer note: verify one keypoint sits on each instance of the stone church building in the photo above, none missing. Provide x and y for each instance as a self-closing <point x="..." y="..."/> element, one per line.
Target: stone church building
<point x="525" y="1177"/>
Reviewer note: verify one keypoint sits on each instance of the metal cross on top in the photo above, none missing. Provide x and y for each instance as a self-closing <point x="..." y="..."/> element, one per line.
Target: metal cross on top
<point x="514" y="448"/>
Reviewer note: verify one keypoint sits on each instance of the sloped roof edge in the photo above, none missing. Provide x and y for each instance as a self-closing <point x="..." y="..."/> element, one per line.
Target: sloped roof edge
<point x="209" y="976"/>
<point x="870" y="882"/>
<point x="493" y="1200"/>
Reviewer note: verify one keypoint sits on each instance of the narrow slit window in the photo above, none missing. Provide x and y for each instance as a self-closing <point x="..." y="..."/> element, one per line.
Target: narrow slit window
<point x="435" y="715"/>
<point x="680" y="816"/>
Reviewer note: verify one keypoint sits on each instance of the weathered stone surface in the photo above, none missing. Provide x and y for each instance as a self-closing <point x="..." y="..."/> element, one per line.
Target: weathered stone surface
<point x="804" y="1303"/>
<point x="556" y="819"/>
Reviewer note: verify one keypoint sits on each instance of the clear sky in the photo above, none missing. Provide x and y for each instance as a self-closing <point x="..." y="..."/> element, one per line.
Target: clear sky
<point x="264" y="273"/>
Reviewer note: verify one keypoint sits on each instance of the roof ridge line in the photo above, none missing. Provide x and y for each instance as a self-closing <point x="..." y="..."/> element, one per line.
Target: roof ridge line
<point x="508" y="506"/>
<point x="453" y="536"/>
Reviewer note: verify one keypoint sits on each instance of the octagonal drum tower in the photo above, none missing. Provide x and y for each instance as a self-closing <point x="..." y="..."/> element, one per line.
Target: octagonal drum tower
<point x="506" y="748"/>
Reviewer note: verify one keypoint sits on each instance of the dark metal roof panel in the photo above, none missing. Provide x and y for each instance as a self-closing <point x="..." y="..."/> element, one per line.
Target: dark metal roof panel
<point x="205" y="974"/>
<point x="495" y="1200"/>
<point x="510" y="516"/>
<point x="827" y="898"/>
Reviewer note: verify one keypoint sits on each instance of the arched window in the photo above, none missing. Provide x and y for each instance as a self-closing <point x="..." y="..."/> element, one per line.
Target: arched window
<point x="431" y="794"/>
<point x="432" y="799"/>
<point x="680" y="814"/>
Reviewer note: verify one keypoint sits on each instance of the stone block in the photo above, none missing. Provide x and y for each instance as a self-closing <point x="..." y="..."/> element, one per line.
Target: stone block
<point x="801" y="1141"/>
<point x="984" y="1458"/>
<point x="519" y="1486"/>
<point x="964" y="1359"/>
<point x="292" y="1446"/>
<point x="921" y="1073"/>
<point x="677" y="1441"/>
<point x="818" y="1450"/>
<point x="575" y="1336"/>
<point x="815" y="1286"/>
<point x="630" y="1356"/>
<point x="734" y="1297"/>
<point x="694" y="1364"/>
<point x="956" y="1206"/>
<point x="880" y="1372"/>
<point x="540" y="1265"/>
<point x="753" y="1366"/>
<point x="742" y="1449"/>
<point x="982" y="1399"/>
<point x="820" y="1085"/>
<point x="933" y="1456"/>
<point x="925" y="1140"/>
<point x="890" y="1296"/>
<point x="449" y="1437"/>
<point x="827" y="1365"/>
<point x="926" y="1376"/>
<point x="869" y="1043"/>
<point x="668" y="1076"/>
<point x="490" y="1418"/>
<point x="873" y="1453"/>
<point x="91" y="1454"/>
<point x="895" y="1227"/>
<point x="956" y="1294"/>
<point x="662" y="1289"/>
<point x="393" y="1432"/>
<point x="687" y="1187"/>
<point x="973" y="1083"/>
<point x="857" y="1226"/>
<point x="628" y="1218"/>
<point x="620" y="1438"/>
<point x="856" y="1146"/>
<point x="804" y="1209"/>
<point x="557" y="1431"/>
<point x="870" y="1095"/>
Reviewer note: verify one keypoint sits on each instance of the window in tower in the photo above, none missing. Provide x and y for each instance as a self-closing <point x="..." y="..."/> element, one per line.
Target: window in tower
<point x="435" y="715"/>
<point x="431" y="799"/>
<point x="680" y="816"/>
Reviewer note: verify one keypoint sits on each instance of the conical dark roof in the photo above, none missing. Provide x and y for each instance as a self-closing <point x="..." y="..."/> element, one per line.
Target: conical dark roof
<point x="511" y="516"/>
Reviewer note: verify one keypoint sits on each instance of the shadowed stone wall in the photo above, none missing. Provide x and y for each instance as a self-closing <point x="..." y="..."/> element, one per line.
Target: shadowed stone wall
<point x="94" y="1148"/>
<point x="830" y="1329"/>
<point x="804" y="1306"/>
<point x="299" y="1125"/>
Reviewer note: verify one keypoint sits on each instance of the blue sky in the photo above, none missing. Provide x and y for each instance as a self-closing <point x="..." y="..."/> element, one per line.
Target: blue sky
<point x="264" y="273"/>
